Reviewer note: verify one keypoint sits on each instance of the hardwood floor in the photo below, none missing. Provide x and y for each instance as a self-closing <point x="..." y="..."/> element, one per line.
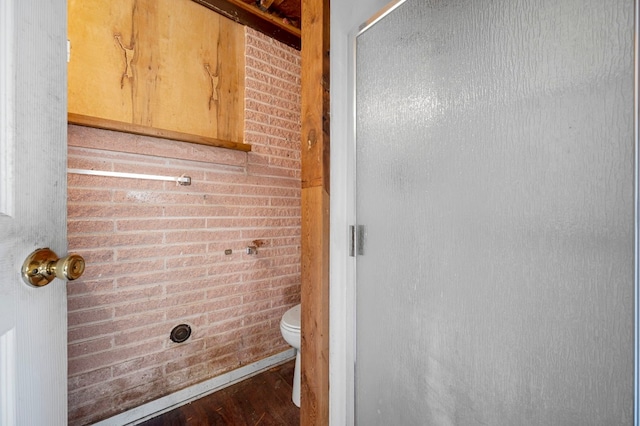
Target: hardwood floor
<point x="262" y="400"/>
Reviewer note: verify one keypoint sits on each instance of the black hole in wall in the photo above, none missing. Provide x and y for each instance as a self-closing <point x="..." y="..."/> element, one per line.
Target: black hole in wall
<point x="180" y="333"/>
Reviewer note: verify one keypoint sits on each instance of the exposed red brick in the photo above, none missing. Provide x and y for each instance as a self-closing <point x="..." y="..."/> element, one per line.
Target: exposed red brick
<point x="159" y="277"/>
<point x="89" y="347"/>
<point x="103" y="359"/>
<point x="151" y="332"/>
<point x="113" y="327"/>
<point x="90" y="378"/>
<point x="89" y="316"/>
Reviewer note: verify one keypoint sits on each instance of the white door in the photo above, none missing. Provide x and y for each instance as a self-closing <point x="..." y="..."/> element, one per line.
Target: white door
<point x="33" y="322"/>
<point x="495" y="183"/>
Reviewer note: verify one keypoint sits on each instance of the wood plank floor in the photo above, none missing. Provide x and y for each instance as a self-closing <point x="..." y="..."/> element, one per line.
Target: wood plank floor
<point x="262" y="400"/>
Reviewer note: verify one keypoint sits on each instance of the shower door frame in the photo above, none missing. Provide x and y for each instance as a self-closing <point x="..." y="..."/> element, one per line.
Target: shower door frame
<point x="636" y="278"/>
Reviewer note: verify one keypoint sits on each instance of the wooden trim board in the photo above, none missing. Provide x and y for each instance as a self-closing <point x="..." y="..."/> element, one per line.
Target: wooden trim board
<point x="315" y="213"/>
<point x="136" y="129"/>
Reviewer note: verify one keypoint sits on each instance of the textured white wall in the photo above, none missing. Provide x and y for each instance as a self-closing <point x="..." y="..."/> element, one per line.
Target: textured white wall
<point x="500" y="139"/>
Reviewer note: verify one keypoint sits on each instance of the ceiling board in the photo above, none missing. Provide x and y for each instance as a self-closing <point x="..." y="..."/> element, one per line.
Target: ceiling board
<point x="279" y="19"/>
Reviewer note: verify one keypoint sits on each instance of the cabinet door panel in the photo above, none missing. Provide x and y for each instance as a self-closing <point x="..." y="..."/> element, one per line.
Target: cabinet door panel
<point x="166" y="64"/>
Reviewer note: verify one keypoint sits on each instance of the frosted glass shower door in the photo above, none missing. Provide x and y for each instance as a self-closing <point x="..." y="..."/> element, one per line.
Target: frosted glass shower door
<point x="495" y="164"/>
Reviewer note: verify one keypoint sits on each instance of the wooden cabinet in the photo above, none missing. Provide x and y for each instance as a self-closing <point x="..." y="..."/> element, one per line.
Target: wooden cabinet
<point x="159" y="67"/>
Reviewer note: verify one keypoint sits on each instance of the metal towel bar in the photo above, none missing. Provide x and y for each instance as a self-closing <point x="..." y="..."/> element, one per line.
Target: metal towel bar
<point x="182" y="180"/>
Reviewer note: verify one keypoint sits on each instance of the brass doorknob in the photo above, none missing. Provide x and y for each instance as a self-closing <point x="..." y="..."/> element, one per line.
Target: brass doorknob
<point x="43" y="265"/>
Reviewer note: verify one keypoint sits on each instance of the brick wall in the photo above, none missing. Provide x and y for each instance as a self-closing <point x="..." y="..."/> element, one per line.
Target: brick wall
<point x="155" y="251"/>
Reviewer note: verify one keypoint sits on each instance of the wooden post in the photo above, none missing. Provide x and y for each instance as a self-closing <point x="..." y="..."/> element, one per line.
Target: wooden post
<point x="314" y="409"/>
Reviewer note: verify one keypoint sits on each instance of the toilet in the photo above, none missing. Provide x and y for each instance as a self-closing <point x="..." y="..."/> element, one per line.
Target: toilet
<point x="290" y="328"/>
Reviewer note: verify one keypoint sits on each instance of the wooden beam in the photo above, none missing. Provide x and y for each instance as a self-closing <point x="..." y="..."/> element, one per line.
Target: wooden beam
<point x="266" y="4"/>
<point x="314" y="409"/>
<point x="257" y="19"/>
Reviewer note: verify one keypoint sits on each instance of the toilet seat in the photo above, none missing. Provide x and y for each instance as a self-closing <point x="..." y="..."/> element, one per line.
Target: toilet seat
<point x="291" y="319"/>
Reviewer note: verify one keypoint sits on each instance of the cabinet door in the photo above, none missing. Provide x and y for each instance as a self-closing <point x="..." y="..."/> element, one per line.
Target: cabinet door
<point x="166" y="64"/>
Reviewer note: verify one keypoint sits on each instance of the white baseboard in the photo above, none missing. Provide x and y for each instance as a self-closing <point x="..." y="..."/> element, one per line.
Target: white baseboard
<point x="166" y="403"/>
